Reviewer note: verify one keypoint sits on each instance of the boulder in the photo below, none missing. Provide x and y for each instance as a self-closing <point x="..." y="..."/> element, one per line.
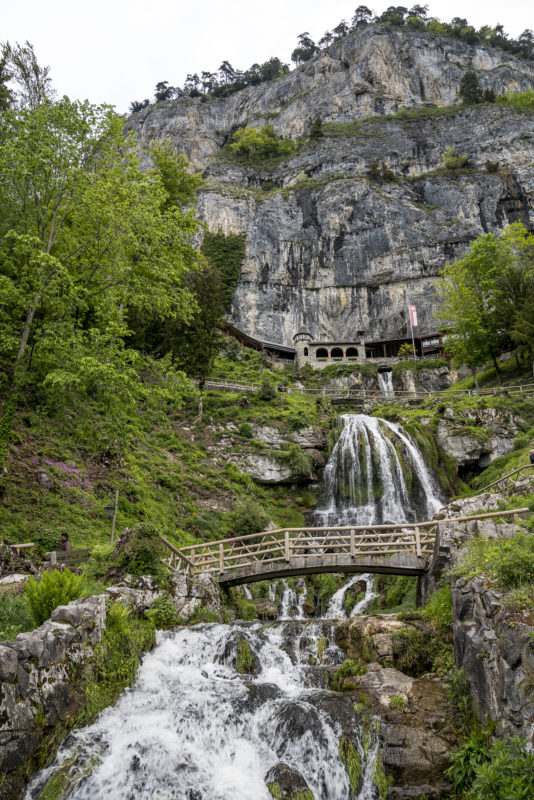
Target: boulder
<point x="287" y="783"/>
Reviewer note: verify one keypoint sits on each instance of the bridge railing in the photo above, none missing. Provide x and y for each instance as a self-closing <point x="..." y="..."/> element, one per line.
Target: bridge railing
<point x="526" y="471"/>
<point x="288" y="544"/>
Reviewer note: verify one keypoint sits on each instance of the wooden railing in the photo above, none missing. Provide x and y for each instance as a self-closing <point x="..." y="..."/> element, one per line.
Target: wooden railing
<point x="286" y="544"/>
<point x="526" y="471"/>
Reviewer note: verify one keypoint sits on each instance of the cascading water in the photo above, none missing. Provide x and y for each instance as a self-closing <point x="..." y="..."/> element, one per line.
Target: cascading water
<point x="193" y="728"/>
<point x="385" y="384"/>
<point x="336" y="606"/>
<point x="365" y="480"/>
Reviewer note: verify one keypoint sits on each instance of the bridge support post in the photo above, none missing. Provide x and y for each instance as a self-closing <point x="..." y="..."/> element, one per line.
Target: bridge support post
<point x="417" y="543"/>
<point x="352" y="544"/>
<point x="221" y="558"/>
<point x="286" y="547"/>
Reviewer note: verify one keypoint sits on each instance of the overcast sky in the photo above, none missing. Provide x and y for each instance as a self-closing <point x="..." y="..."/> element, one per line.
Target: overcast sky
<point x="115" y="51"/>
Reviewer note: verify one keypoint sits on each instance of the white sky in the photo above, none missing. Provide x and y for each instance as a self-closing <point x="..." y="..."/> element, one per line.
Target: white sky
<point x="115" y="51"/>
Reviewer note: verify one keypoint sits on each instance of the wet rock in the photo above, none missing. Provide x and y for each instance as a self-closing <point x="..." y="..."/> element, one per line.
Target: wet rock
<point x="266" y="609"/>
<point x="310" y="438"/>
<point x="139" y="600"/>
<point x="287" y="783"/>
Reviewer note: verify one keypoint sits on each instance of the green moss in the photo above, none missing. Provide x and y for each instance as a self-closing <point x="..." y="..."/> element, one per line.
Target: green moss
<point x="275" y="790"/>
<point x="380" y="780"/>
<point x="244" y="659"/>
<point x="351" y="759"/>
<point x="397" y="703"/>
<point x="322" y="644"/>
<point x="349" y="669"/>
<point x="56" y="785"/>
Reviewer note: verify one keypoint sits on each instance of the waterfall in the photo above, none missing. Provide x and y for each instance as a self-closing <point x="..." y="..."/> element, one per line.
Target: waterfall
<point x="292" y="604"/>
<point x="375" y="475"/>
<point x="385" y="383"/>
<point x="336" y="606"/>
<point x="193" y="728"/>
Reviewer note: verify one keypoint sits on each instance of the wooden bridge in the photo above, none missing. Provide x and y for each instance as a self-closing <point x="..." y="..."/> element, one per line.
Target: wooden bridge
<point x="510" y="480"/>
<point x="391" y="549"/>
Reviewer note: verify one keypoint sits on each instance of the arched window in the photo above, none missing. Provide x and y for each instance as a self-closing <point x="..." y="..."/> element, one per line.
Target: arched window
<point x="352" y="352"/>
<point x="336" y="353"/>
<point x="321" y="353"/>
<point x="305" y="351"/>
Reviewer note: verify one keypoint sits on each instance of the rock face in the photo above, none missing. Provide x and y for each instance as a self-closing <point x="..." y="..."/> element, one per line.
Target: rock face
<point x="495" y="649"/>
<point x="36" y="688"/>
<point x="480" y="436"/>
<point x="326" y="246"/>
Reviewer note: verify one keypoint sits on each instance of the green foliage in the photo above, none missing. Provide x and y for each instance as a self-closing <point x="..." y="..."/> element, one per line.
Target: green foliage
<point x="349" y="669"/>
<point x="245" y="609"/>
<point x="54" y="589"/>
<point x="381" y="173"/>
<point x="397" y="703"/>
<point x="453" y="160"/>
<point x="139" y="552"/>
<point x="509" y="562"/>
<point x="487" y="296"/>
<point x="508" y="773"/>
<point x="297" y="460"/>
<point x="467" y="759"/>
<point x="116" y="661"/>
<point x="258" y="144"/>
<point x="245" y="430"/>
<point x="249" y="517"/>
<point x="225" y="252"/>
<point x="397" y="592"/>
<point x="350" y="757"/>
<point x="244" y="658"/>
<point x="87" y="238"/>
<point x="438" y="609"/>
<point x="267" y="391"/>
<point x="163" y="614"/>
<point x="520" y="101"/>
<point x="316" y="129"/>
<point x="15" y="615"/>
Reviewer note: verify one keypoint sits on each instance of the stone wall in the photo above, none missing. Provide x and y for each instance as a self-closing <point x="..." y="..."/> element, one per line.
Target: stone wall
<point x="37" y="689"/>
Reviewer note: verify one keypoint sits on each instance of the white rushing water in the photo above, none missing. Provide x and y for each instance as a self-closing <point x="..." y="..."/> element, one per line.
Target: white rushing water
<point x="193" y="728"/>
<point x="385" y="384"/>
<point x="292" y="602"/>
<point x="364" y="480"/>
<point x="336" y="606"/>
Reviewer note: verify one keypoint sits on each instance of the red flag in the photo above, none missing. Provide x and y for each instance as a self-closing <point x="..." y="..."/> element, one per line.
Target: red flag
<point x="413" y="315"/>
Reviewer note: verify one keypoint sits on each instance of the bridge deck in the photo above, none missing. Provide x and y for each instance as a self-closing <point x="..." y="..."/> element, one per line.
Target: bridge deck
<point x="391" y="549"/>
<point x="400" y="564"/>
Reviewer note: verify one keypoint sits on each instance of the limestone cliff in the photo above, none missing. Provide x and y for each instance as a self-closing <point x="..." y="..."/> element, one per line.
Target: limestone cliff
<point x="326" y="246"/>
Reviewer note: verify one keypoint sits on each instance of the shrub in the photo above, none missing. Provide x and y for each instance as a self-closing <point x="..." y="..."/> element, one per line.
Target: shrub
<point x="519" y="100"/>
<point x="267" y="390"/>
<point x="507" y="774"/>
<point x="139" y="552"/>
<point x="438" y="609"/>
<point x="163" y="614"/>
<point x="492" y="166"/>
<point x="453" y="160"/>
<point x="509" y="562"/>
<point x="467" y="759"/>
<point x="349" y="669"/>
<point x="246" y="609"/>
<point x="298" y="461"/>
<point x="248" y="518"/>
<point x="15" y="616"/>
<point x="52" y="590"/>
<point x="245" y="430"/>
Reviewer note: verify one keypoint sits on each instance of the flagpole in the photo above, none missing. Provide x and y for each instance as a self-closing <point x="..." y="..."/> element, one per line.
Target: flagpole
<point x="411" y="328"/>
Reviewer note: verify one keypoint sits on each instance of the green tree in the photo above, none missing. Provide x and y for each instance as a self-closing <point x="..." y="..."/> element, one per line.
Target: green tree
<point x="469" y="88"/>
<point x="85" y="235"/>
<point x="316" y="129"/>
<point x="260" y="143"/>
<point x="486" y="297"/>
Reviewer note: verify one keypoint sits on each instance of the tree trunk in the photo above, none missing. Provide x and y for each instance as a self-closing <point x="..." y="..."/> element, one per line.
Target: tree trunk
<point x="474" y="374"/>
<point x="198" y="418"/>
<point x="6" y="422"/>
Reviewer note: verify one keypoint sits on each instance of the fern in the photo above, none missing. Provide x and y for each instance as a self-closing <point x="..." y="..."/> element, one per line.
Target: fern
<point x="54" y="589"/>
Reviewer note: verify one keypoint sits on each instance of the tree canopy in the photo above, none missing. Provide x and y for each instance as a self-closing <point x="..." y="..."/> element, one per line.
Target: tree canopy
<point x="487" y="297"/>
<point x="85" y="236"/>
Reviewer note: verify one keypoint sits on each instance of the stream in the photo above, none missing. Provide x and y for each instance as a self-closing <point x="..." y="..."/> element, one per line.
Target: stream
<point x="195" y="727"/>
